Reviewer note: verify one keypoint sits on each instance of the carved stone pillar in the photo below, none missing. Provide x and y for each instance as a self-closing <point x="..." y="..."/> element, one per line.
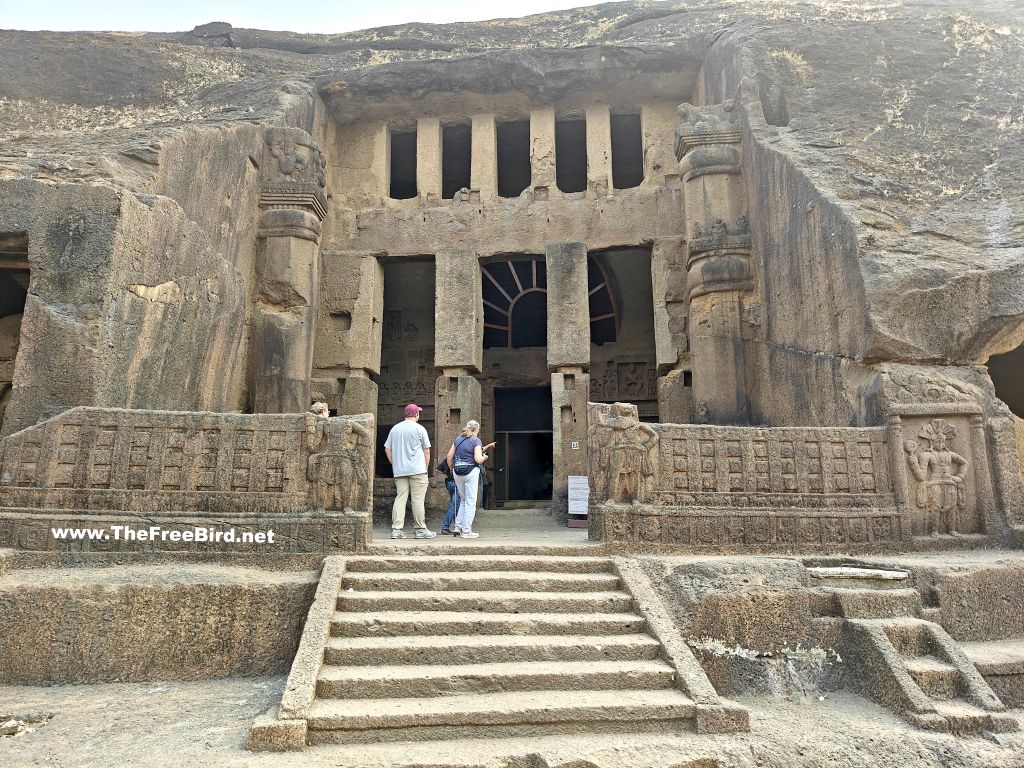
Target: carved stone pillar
<point x="671" y="319"/>
<point x="292" y="205"/>
<point x="599" y="150"/>
<point x="568" y="308"/>
<point x="986" y="498"/>
<point x="428" y="160"/>
<point x="459" y="310"/>
<point x="458" y="342"/>
<point x="349" y="330"/>
<point x="457" y="399"/>
<point x="484" y="157"/>
<point x="542" y="150"/>
<point x="719" y="278"/>
<point x="569" y="395"/>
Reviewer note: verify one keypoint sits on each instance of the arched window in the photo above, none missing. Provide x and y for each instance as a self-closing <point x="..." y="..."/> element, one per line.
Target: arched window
<point x="515" y="303"/>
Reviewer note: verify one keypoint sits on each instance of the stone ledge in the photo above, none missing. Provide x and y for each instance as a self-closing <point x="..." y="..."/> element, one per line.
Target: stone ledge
<point x="269" y="734"/>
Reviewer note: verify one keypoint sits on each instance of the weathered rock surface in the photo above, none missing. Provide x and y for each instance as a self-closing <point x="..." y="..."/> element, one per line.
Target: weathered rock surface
<point x="904" y="116"/>
<point x="156" y="622"/>
<point x="884" y="176"/>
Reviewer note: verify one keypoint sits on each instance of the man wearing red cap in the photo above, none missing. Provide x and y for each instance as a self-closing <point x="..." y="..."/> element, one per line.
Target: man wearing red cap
<point x="408" y="450"/>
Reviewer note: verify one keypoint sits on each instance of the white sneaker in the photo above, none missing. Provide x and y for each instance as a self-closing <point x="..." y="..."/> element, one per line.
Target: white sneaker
<point x="396" y="533"/>
<point x="425" y="534"/>
<point x="470" y="535"/>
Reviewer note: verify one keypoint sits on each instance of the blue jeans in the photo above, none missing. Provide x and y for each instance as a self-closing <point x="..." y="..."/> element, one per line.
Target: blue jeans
<point x="453" y="504"/>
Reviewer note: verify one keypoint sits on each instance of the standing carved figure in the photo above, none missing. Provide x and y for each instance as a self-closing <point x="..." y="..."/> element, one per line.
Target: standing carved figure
<point x="940" y="474"/>
<point x="337" y="463"/>
<point x="628" y="457"/>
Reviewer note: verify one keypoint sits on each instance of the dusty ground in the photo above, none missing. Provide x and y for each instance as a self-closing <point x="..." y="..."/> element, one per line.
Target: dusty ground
<point x="204" y="724"/>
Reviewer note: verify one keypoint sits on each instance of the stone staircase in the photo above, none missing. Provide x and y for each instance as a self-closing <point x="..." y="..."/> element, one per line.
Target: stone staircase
<point x="460" y="646"/>
<point x="905" y="660"/>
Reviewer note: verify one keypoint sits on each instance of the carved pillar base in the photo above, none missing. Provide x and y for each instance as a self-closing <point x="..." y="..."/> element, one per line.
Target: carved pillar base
<point x="569" y="394"/>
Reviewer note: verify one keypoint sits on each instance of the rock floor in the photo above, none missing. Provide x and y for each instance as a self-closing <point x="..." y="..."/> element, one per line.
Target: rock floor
<point x="205" y="723"/>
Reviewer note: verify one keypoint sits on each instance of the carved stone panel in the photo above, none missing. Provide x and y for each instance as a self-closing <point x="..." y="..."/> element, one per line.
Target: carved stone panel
<point x="942" y="482"/>
<point x="168" y="463"/>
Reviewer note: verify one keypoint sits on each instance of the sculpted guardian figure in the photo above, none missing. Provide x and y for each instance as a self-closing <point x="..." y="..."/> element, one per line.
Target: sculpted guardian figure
<point x="336" y="466"/>
<point x="940" y="473"/>
<point x="628" y="457"/>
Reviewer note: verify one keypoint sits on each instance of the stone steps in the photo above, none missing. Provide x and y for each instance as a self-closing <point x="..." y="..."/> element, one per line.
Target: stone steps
<point x="508" y="581"/>
<point x="915" y="667"/>
<point x="517" y="713"/>
<point x="962" y="718"/>
<point x="442" y="646"/>
<point x="486" y="601"/>
<point x="423" y="623"/>
<point x="456" y="647"/>
<point x="421" y="680"/>
<point x="484" y="562"/>
<point x="863" y="603"/>
<point x="483" y="649"/>
<point x="938" y="679"/>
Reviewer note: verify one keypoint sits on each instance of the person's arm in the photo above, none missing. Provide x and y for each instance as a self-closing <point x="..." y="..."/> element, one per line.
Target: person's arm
<point x="387" y="452"/>
<point x="425" y="445"/>
<point x="478" y="455"/>
<point x="450" y="458"/>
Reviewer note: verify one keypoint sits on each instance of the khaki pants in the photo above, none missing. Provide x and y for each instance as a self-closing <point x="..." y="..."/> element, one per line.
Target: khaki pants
<point x="415" y="486"/>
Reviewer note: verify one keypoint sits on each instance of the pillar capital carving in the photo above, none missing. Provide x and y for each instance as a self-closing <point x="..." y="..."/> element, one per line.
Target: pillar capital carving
<point x="718" y="259"/>
<point x="293" y="178"/>
<point x="705" y="126"/>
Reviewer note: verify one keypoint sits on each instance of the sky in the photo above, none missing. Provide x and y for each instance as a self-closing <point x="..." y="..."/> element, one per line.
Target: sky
<point x="324" y="17"/>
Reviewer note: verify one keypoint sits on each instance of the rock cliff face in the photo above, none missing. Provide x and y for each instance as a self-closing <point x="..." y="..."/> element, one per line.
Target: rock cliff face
<point x="884" y="174"/>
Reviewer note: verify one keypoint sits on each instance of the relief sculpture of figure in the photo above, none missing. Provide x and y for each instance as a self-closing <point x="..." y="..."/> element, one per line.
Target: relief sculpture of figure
<point x="940" y="475"/>
<point x="336" y="466"/>
<point x="628" y="455"/>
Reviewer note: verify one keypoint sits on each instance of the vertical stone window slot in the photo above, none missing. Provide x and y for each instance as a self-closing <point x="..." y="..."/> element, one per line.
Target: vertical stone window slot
<point x="456" y="159"/>
<point x="513" y="157"/>
<point x="14" y="277"/>
<point x="571" y="155"/>
<point x="403" y="164"/>
<point x="627" y="151"/>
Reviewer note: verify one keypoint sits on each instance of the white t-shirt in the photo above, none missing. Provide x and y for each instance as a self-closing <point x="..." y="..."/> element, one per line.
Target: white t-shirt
<point x="407" y="441"/>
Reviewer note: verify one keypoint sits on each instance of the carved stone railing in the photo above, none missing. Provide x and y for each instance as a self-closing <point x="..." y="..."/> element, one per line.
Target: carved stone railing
<point x="740" y="488"/>
<point x="308" y="479"/>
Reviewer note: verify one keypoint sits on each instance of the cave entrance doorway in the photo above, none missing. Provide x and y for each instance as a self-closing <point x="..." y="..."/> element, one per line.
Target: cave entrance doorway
<point x="1007" y="372"/>
<point x="523" y="448"/>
